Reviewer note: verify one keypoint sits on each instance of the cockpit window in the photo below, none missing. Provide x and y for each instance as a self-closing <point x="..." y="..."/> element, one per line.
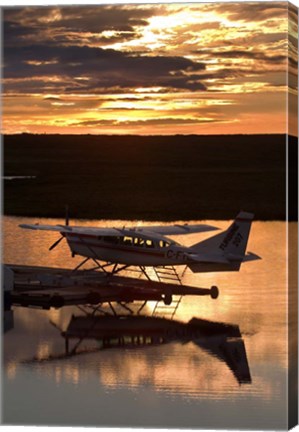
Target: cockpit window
<point x="128" y="240"/>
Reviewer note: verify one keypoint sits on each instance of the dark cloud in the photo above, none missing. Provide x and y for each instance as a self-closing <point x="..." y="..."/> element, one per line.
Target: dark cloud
<point x="254" y="55"/>
<point x="128" y="99"/>
<point x="52" y="98"/>
<point x="261" y="62"/>
<point x="226" y="73"/>
<point x="121" y="108"/>
<point x="28" y="87"/>
<point x="145" y="122"/>
<point x="103" y="68"/>
<point x="95" y="123"/>
<point x="98" y="18"/>
<point x="14" y="33"/>
<point x="169" y="120"/>
<point x="69" y="24"/>
<point x="252" y="11"/>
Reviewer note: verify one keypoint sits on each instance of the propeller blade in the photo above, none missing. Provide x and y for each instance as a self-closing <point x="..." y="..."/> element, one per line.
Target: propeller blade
<point x="67" y="218"/>
<point x="56" y="243"/>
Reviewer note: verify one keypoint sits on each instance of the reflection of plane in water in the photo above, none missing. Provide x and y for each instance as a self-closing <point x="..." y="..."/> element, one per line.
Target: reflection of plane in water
<point x="223" y="341"/>
<point x="120" y="248"/>
<point x="230" y="350"/>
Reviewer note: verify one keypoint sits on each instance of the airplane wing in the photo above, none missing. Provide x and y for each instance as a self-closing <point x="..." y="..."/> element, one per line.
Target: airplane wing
<point x="155" y="231"/>
<point x="59" y="228"/>
<point x="176" y="229"/>
<point x="64" y="229"/>
<point x="94" y="231"/>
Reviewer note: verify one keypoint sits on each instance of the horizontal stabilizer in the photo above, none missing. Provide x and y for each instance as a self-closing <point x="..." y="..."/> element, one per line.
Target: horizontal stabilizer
<point x="251" y="257"/>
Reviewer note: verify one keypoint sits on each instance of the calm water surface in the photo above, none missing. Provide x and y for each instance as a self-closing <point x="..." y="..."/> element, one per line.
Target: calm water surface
<point x="171" y="385"/>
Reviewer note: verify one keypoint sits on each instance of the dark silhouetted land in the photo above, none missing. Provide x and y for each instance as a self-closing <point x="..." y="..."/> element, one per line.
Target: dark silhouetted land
<point x="150" y="178"/>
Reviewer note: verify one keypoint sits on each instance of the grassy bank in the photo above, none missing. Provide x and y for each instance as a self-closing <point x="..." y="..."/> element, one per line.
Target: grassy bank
<point x="149" y="178"/>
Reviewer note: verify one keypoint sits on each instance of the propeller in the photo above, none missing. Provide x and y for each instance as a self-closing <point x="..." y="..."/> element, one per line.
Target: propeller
<point x="67" y="220"/>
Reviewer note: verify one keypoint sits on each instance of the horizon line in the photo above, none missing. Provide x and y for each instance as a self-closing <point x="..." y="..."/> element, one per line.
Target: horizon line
<point x="147" y="135"/>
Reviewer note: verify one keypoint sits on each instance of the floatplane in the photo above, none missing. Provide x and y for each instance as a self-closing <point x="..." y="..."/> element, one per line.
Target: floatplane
<point x="151" y="246"/>
<point x="147" y="248"/>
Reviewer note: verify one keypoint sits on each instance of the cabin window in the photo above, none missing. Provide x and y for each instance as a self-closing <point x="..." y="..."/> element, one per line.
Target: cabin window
<point x="149" y="243"/>
<point x="138" y="241"/>
<point x="163" y="244"/>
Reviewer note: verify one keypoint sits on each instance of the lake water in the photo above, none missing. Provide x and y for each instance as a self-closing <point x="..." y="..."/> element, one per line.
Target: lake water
<point x="171" y="385"/>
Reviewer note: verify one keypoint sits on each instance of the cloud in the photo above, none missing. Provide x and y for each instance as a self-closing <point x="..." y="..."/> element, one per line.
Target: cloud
<point x="69" y="25"/>
<point x="145" y="122"/>
<point x="101" y="68"/>
<point x="66" y="63"/>
<point x="252" y="11"/>
<point x="242" y="62"/>
<point x="52" y="98"/>
<point x="255" y="55"/>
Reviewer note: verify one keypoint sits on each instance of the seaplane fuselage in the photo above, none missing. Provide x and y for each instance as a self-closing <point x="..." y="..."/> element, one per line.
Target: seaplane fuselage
<point x="131" y="250"/>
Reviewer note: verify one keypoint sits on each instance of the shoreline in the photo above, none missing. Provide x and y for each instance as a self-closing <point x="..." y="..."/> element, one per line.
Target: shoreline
<point x="167" y="219"/>
<point x="154" y="178"/>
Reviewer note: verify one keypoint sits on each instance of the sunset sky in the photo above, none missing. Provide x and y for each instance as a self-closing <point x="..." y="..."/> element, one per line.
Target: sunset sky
<point x="149" y="69"/>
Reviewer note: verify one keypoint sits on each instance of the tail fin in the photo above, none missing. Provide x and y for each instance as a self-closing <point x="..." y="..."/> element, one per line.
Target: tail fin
<point x="231" y="243"/>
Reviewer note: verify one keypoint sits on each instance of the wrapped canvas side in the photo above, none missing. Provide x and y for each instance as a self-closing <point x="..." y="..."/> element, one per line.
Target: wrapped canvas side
<point x="292" y="214"/>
